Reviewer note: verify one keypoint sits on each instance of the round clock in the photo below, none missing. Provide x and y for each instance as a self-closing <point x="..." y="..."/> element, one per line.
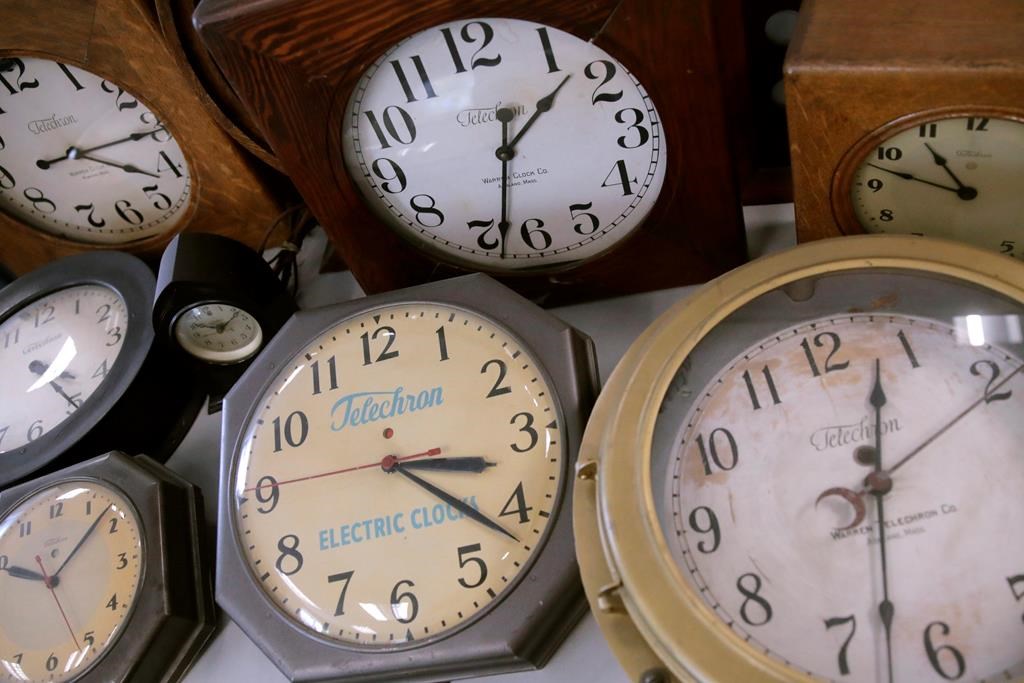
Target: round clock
<point x="218" y="333"/>
<point x="503" y="145"/>
<point x="776" y="484"/>
<point x="398" y="479"/>
<point x="85" y="565"/>
<point x="952" y="174"/>
<point x="75" y="354"/>
<point x="84" y="159"/>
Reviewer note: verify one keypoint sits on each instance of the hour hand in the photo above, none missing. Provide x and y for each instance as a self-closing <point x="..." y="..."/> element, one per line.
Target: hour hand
<point x="468" y="463"/>
<point x="127" y="168"/>
<point x="22" y="573"/>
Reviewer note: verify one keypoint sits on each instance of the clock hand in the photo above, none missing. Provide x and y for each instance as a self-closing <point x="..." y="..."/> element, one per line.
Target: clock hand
<point x="543" y="104"/>
<point x="38" y="367"/>
<point x="505" y="153"/>
<point x="50" y="585"/>
<point x="127" y="168"/>
<point x="468" y="463"/>
<point x="22" y="573"/>
<point x="88" y="532"/>
<point x="963" y="191"/>
<point x="224" y="325"/>
<point x="369" y="465"/>
<point x="908" y="176"/>
<point x="75" y="152"/>
<point x="462" y="507"/>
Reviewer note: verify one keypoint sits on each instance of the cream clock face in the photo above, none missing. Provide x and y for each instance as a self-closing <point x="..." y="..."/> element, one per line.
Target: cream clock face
<point x="54" y="354"/>
<point x="71" y="559"/>
<point x="503" y="144"/>
<point x="398" y="475"/>
<point x="83" y="159"/>
<point x="958" y="178"/>
<point x="218" y="333"/>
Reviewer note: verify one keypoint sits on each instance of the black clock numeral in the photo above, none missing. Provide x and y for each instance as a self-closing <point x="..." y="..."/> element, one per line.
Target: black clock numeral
<point x="711" y="527"/>
<point x="390" y="129"/>
<point x="467" y="36"/>
<point x="404" y="606"/>
<point x="889" y="153"/>
<point x="103" y="311"/>
<point x="527" y="429"/>
<point x="752" y="390"/>
<point x="497" y="389"/>
<point x="875" y="184"/>
<point x="421" y="71"/>
<point x="40" y="202"/>
<point x="335" y="578"/>
<point x="397" y="174"/>
<point x="45" y="314"/>
<point x="549" y="54"/>
<point x="886" y="215"/>
<point x="122" y="561"/>
<point x="267" y="491"/>
<point x="8" y="65"/>
<point x="422" y="209"/>
<point x="7" y="181"/>
<point x="112" y="603"/>
<point x="927" y="130"/>
<point x="819" y="342"/>
<point x="295" y="422"/>
<point x="56" y="510"/>
<point x="1018" y="593"/>
<point x="4" y="562"/>
<point x="52" y="662"/>
<point x="752" y="595"/>
<point x="901" y="335"/>
<point x="35" y="430"/>
<point x="89" y="638"/>
<point x="332" y="374"/>
<point x="709" y="453"/>
<point x="442" y="343"/>
<point x="113" y="525"/>
<point x="124" y="209"/>
<point x="1006" y="247"/>
<point x="642" y="134"/>
<point x="71" y="77"/>
<point x="289" y="547"/>
<point x="844" y="666"/>
<point x="521" y="509"/>
<point x="580" y="228"/>
<point x="591" y="72"/>
<point x="624" y="179"/>
<point x="977" y="123"/>
<point x="160" y="133"/>
<point x="91" y="218"/>
<point x="481" y="566"/>
<point x="164" y="163"/>
<point x="481" y="239"/>
<point x="529" y="233"/>
<point x="386" y="354"/>
<point x="18" y="657"/>
<point x="115" y="336"/>
<point x="101" y="371"/>
<point x="12" y="337"/>
<point x="122" y="99"/>
<point x="3" y="433"/>
<point x="160" y="200"/>
<point x="953" y="655"/>
<point x="88" y="508"/>
<point x="992" y="371"/>
<point x="24" y="529"/>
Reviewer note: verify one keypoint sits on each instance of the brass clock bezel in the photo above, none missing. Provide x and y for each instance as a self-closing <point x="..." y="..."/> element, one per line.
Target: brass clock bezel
<point x="842" y="179"/>
<point x="651" y="618"/>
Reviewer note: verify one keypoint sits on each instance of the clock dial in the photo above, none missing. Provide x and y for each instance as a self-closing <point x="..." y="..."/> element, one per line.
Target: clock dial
<point x="218" y="333"/>
<point x="83" y="159"/>
<point x="398" y="475"/>
<point x="54" y="353"/>
<point x="503" y="144"/>
<point x="71" y="559"/>
<point x="954" y="177"/>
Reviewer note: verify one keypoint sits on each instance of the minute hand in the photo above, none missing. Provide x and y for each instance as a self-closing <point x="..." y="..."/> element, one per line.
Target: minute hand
<point x="543" y="104"/>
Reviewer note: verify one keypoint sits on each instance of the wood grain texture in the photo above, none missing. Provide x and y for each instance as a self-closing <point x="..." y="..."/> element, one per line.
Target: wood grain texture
<point x="294" y="63"/>
<point x="120" y="41"/>
<point x="853" y="69"/>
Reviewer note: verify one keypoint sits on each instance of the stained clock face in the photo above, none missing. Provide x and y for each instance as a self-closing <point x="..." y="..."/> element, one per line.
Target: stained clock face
<point x="83" y="159"/>
<point x="953" y="177"/>
<point x="503" y="144"/>
<point x="398" y="475"/>
<point x="218" y="333"/>
<point x="54" y="353"/>
<point x="838" y="493"/>
<point x="71" y="558"/>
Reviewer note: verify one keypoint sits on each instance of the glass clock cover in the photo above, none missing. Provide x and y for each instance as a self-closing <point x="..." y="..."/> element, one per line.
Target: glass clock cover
<point x="218" y="333"/>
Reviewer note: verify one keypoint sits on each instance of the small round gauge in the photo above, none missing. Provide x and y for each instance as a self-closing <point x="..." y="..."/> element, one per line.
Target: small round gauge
<point x="218" y="333"/>
<point x="502" y="144"/>
<point x="85" y="160"/>
<point x="71" y="561"/>
<point x="957" y="176"/>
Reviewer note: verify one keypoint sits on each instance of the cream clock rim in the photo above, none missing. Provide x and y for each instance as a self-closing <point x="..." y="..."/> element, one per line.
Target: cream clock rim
<point x="562" y="499"/>
<point x="217" y="357"/>
<point x="683" y="632"/>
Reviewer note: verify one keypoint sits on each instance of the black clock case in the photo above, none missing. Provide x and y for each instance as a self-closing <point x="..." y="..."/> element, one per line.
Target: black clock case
<point x="174" y="612"/>
<point x="141" y="407"/>
<point x="528" y="622"/>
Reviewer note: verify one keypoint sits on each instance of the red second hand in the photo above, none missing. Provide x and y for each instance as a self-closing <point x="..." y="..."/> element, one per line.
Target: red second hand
<point x="49" y="584"/>
<point x="378" y="463"/>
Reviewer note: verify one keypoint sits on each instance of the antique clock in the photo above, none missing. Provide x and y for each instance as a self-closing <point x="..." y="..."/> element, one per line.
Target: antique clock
<point x="103" y="145"/>
<point x="549" y="143"/>
<point x="104" y="574"/>
<point x="397" y="476"/>
<point x="916" y="136"/>
<point x="776" y="483"/>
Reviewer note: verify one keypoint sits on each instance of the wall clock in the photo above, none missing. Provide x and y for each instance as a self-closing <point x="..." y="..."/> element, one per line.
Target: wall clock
<point x="103" y="565"/>
<point x="896" y="136"/>
<point x="594" y="114"/>
<point x="416" y="527"/>
<point x="80" y="370"/>
<point x="776" y="458"/>
<point x="103" y="143"/>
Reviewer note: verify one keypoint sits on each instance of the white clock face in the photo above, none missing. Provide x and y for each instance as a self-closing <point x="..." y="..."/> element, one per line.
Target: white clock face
<point x="70" y="566"/>
<point x="503" y="144"/>
<point x="82" y="159"/>
<point x="54" y="353"/>
<point x="398" y="475"/>
<point x="958" y="178"/>
<point x="218" y="333"/>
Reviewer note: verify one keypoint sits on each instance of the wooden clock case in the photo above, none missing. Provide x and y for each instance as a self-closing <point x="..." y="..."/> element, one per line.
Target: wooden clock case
<point x="856" y="73"/>
<point x="295" y="63"/>
<point x="119" y="40"/>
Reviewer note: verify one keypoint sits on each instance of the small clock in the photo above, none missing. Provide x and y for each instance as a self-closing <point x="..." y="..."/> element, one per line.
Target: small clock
<point x="396" y="480"/>
<point x="79" y="367"/>
<point x="104" y="568"/>
<point x="218" y="333"/>
<point x="774" y="484"/>
<point x="890" y="135"/>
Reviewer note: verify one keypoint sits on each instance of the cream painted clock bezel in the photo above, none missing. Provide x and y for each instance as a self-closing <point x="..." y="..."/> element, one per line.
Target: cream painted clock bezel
<point x="654" y="622"/>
